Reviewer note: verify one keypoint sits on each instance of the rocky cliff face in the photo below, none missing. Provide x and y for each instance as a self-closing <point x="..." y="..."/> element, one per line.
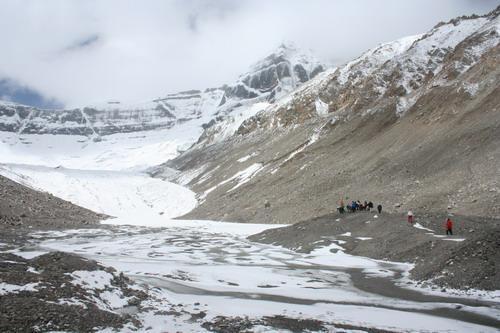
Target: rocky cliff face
<point x="280" y="72"/>
<point x="410" y="124"/>
<point x="226" y="107"/>
<point x="109" y="118"/>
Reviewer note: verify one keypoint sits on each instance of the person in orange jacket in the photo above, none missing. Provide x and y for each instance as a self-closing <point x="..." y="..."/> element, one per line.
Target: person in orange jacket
<point x="449" y="226"/>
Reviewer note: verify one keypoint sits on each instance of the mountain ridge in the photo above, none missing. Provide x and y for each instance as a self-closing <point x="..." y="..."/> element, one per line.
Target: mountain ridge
<point x="269" y="78"/>
<point x="412" y="129"/>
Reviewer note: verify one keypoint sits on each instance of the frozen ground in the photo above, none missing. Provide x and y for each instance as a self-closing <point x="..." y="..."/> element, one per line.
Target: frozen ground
<point x="212" y="267"/>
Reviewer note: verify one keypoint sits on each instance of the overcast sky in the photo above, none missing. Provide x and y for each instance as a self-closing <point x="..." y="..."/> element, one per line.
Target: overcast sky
<point x="89" y="51"/>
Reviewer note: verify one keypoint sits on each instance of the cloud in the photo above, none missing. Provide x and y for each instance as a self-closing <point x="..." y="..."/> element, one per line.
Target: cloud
<point x="83" y="43"/>
<point x="12" y="91"/>
<point x="81" y="52"/>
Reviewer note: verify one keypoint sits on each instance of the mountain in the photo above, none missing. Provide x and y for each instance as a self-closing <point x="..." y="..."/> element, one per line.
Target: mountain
<point x="412" y="124"/>
<point x="279" y="73"/>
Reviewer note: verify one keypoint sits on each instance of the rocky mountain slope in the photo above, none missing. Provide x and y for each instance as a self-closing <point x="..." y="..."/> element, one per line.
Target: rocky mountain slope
<point x="24" y="207"/>
<point x="410" y="124"/>
<point x="281" y="72"/>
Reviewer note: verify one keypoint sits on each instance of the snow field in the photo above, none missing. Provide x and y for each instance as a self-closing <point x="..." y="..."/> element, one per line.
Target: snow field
<point x="125" y="151"/>
<point x="135" y="195"/>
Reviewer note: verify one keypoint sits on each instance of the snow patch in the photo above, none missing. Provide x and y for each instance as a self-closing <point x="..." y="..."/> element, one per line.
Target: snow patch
<point x="419" y="226"/>
<point x="6" y="288"/>
<point x="91" y="280"/>
<point x="321" y="107"/>
<point x="454" y="239"/>
<point x="27" y="254"/>
<point x="247" y="157"/>
<point x="241" y="177"/>
<point x="471" y="88"/>
<point x="245" y="176"/>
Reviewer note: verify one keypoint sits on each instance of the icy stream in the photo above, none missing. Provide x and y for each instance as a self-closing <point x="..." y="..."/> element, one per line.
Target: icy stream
<point x="212" y="267"/>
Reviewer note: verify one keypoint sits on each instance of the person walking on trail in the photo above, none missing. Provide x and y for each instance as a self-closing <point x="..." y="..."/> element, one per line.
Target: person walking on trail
<point x="449" y="226"/>
<point x="379" y="208"/>
<point x="410" y="217"/>
<point x="341" y="206"/>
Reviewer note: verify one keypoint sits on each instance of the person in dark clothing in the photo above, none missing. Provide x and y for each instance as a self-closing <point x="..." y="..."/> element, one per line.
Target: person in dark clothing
<point x="449" y="227"/>
<point x="341" y="207"/>
<point x="379" y="208"/>
<point x="370" y="205"/>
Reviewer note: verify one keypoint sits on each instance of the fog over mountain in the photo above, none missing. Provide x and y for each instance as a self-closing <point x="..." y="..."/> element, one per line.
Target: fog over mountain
<point x="78" y="53"/>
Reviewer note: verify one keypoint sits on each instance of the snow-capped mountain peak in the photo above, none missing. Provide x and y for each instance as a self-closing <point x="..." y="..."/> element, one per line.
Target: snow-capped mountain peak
<point x="280" y="72"/>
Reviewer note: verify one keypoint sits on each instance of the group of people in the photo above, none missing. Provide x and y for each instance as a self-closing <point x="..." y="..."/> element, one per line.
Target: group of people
<point x="354" y="206"/>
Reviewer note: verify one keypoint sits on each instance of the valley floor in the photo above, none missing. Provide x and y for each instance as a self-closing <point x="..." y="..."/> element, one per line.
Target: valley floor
<point x="196" y="272"/>
<point x="140" y="270"/>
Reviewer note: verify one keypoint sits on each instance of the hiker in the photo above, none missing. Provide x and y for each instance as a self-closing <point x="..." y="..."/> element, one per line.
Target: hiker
<point x="341" y="206"/>
<point x="449" y="226"/>
<point x="370" y="206"/>
<point x="379" y="208"/>
<point x="410" y="217"/>
<point x="349" y="208"/>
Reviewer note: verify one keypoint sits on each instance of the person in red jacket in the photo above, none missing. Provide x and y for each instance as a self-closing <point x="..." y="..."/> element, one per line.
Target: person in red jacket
<point x="449" y="226"/>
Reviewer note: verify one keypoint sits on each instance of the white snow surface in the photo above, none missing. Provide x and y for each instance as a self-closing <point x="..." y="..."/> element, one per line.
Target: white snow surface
<point x="321" y="107"/>
<point x="6" y="288"/>
<point x="241" y="177"/>
<point x="110" y="192"/>
<point x="247" y="157"/>
<point x="125" y="151"/>
<point x="419" y="226"/>
<point x="91" y="279"/>
<point x="372" y="59"/>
